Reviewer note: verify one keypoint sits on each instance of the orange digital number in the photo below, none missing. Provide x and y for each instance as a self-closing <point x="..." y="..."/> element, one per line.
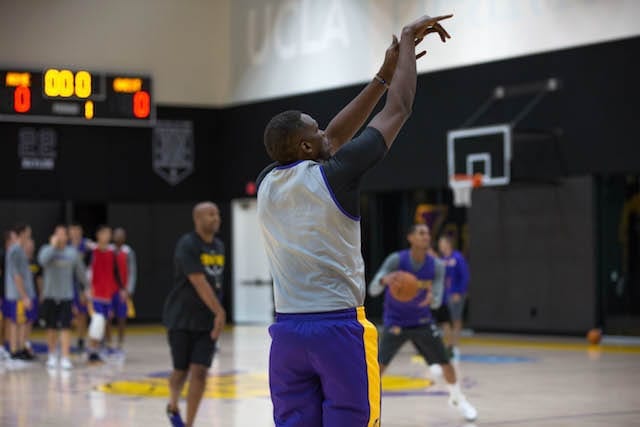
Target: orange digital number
<point x="141" y="104"/>
<point x="22" y="99"/>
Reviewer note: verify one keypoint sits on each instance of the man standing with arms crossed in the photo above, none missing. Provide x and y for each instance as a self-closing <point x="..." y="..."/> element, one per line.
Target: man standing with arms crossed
<point x="61" y="264"/>
<point x="323" y="368"/>
<point x="193" y="314"/>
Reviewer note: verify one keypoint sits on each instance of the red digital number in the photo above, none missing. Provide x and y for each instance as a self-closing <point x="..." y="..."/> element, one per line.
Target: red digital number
<point x="22" y="99"/>
<point x="141" y="104"/>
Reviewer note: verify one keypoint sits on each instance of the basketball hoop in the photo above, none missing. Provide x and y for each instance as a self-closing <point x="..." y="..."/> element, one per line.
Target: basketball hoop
<point x="462" y="185"/>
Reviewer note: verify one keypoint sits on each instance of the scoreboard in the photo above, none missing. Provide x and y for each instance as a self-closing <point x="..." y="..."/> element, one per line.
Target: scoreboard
<point x="76" y="96"/>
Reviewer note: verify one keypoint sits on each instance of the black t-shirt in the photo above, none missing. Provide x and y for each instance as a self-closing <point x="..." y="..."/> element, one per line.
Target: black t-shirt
<point x="344" y="170"/>
<point x="183" y="308"/>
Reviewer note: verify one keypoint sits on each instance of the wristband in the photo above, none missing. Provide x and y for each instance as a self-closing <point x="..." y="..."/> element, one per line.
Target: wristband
<point x="382" y="81"/>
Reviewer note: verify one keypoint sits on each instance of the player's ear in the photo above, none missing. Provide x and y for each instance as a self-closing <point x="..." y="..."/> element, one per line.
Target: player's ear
<point x="306" y="148"/>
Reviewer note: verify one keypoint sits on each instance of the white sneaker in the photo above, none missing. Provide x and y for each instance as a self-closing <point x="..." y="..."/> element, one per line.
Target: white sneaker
<point x="4" y="354"/>
<point x="65" y="363"/>
<point x="52" y="362"/>
<point x="464" y="407"/>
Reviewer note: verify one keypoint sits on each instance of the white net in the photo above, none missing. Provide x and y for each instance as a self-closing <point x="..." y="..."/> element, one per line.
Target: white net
<point x="462" y="188"/>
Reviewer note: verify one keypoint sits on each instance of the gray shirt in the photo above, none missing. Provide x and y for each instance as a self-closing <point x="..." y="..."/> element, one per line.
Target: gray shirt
<point x="17" y="263"/>
<point x="132" y="268"/>
<point x="392" y="263"/>
<point x="59" y="267"/>
<point x="309" y="217"/>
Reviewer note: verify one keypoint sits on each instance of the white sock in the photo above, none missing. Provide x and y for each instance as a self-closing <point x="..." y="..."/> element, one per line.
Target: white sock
<point x="454" y="391"/>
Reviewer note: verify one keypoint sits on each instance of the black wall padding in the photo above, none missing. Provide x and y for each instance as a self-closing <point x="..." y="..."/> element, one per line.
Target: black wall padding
<point x="532" y="257"/>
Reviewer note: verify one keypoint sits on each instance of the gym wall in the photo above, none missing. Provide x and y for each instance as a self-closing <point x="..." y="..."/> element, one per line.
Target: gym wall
<point x="532" y="257"/>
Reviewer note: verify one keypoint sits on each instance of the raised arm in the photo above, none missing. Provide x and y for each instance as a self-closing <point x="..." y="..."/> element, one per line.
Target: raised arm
<point x="402" y="90"/>
<point x="351" y="118"/>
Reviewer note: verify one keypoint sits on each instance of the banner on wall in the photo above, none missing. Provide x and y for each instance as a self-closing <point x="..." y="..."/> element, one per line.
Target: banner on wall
<point x="37" y="148"/>
<point x="173" y="150"/>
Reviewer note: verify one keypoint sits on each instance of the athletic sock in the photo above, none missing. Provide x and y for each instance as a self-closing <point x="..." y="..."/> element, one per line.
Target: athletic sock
<point x="454" y="391"/>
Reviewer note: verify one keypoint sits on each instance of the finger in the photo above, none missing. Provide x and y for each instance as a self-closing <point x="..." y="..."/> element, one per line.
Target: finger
<point x="441" y="30"/>
<point x="395" y="41"/>
<point x="421" y="54"/>
<point x="441" y="17"/>
<point x="418" y="41"/>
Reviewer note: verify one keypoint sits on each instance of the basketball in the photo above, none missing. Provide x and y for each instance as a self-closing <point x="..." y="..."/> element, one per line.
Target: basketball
<point x="594" y="336"/>
<point x="403" y="286"/>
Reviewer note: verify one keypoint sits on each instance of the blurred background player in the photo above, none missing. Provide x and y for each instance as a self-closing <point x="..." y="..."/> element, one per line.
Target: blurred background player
<point x="20" y="294"/>
<point x="127" y="268"/>
<point x="105" y="283"/>
<point x="80" y="309"/>
<point x="61" y="264"/>
<point x="412" y="320"/>
<point x="193" y="314"/>
<point x="9" y="237"/>
<point x="36" y="273"/>
<point x="456" y="287"/>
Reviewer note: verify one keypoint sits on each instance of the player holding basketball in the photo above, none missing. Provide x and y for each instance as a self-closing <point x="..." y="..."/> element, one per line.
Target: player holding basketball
<point x="323" y="368"/>
<point x="193" y="314"/>
<point x="412" y="320"/>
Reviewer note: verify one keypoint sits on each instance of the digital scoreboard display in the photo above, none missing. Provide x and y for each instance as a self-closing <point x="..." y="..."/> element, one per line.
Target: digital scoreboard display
<point x="67" y="96"/>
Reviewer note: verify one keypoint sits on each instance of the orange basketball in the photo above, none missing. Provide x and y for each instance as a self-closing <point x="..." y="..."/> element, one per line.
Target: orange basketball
<point x="403" y="285"/>
<point x="594" y="336"/>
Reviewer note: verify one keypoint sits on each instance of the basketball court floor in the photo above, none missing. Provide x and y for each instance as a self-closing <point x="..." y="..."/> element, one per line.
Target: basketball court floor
<point x="513" y="381"/>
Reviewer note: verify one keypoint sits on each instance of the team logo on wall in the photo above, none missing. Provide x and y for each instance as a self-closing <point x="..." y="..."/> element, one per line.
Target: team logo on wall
<point x="37" y="148"/>
<point x="173" y="150"/>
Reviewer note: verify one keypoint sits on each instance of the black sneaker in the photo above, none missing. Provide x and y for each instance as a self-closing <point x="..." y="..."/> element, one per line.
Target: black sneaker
<point x="27" y="355"/>
<point x="174" y="418"/>
<point x="94" y="358"/>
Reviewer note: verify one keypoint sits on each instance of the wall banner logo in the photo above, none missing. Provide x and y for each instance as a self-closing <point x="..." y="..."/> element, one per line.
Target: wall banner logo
<point x="173" y="150"/>
<point x="37" y="148"/>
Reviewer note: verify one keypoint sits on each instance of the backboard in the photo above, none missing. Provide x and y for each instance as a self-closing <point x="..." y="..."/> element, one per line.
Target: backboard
<point x="485" y="150"/>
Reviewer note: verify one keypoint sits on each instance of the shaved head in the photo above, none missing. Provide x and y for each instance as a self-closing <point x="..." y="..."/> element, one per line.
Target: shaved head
<point x="206" y="218"/>
<point x="119" y="236"/>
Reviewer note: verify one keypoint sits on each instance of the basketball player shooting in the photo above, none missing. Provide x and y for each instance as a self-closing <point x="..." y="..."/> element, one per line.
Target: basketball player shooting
<point x="323" y="368"/>
<point x="407" y="309"/>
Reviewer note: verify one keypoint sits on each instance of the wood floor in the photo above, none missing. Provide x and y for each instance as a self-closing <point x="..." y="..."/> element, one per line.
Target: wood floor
<point x="513" y="381"/>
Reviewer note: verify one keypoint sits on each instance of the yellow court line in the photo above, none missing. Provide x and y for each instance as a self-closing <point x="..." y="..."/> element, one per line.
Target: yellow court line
<point x="139" y="330"/>
<point x="549" y="345"/>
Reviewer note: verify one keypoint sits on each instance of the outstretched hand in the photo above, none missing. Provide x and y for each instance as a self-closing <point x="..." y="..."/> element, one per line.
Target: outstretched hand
<point x="424" y="26"/>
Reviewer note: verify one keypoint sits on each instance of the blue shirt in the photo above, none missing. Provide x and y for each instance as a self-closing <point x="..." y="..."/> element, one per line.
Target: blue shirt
<point x="457" y="276"/>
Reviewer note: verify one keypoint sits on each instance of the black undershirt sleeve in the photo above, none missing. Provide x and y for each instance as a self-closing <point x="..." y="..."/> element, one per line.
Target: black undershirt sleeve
<point x="344" y="170"/>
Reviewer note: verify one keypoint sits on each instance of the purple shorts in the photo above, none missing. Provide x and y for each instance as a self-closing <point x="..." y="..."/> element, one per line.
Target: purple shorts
<point x="104" y="308"/>
<point x="323" y="370"/>
<point x="77" y="304"/>
<point x="118" y="306"/>
<point x="16" y="312"/>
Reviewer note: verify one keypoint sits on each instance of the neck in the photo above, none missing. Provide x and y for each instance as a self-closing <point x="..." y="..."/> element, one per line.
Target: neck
<point x="207" y="237"/>
<point x="418" y="254"/>
<point x="103" y="245"/>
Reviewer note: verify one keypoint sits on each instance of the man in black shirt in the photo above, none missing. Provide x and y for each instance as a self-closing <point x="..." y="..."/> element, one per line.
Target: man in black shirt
<point x="192" y="311"/>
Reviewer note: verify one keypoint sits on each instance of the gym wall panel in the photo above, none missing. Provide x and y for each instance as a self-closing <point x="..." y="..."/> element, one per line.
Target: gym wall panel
<point x="532" y="257"/>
